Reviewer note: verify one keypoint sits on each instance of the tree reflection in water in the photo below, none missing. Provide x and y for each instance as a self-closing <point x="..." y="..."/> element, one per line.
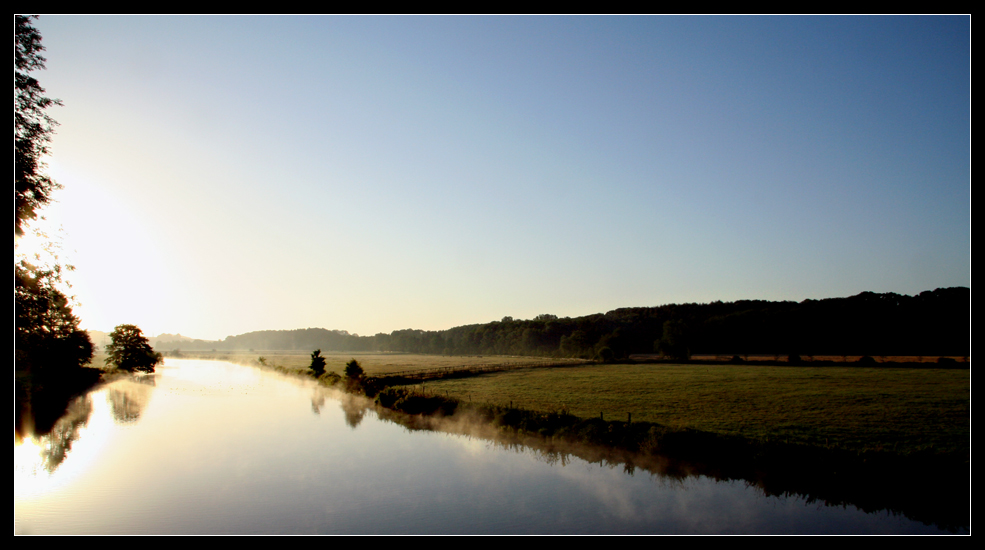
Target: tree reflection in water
<point x="56" y="444"/>
<point x="354" y="408"/>
<point x="128" y="398"/>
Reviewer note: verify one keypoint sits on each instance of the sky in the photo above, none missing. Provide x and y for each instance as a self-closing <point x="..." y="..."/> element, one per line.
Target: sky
<point x="228" y="174"/>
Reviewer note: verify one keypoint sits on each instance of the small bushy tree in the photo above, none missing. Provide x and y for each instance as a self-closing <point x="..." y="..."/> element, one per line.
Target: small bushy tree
<point x="317" y="362"/>
<point x="129" y="350"/>
<point x="353" y="370"/>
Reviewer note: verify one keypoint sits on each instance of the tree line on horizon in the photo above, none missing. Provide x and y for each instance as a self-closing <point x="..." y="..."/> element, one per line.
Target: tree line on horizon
<point x="931" y="323"/>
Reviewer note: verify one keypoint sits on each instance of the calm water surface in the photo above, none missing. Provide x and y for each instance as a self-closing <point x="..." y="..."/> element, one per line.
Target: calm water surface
<point x="212" y="447"/>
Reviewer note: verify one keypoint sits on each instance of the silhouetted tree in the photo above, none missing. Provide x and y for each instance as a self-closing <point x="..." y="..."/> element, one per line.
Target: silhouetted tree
<point x="353" y="370"/>
<point x="32" y="126"/>
<point x="129" y="350"/>
<point x="317" y="362"/>
<point x="47" y="334"/>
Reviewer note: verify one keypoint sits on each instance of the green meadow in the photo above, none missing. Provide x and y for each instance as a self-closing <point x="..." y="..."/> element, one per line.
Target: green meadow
<point x="855" y="408"/>
<point x="902" y="410"/>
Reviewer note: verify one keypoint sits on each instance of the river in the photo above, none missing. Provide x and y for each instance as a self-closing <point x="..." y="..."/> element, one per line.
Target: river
<point x="207" y="447"/>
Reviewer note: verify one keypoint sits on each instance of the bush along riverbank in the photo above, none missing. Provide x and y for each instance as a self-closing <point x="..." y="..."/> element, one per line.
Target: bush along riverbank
<point x="926" y="486"/>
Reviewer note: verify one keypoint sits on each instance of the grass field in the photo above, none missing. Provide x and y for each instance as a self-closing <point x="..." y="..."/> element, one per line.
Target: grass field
<point x="855" y="408"/>
<point x="373" y="364"/>
<point x="807" y="359"/>
<point x="903" y="410"/>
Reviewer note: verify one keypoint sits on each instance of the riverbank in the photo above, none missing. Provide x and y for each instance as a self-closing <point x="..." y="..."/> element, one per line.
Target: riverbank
<point x="855" y="409"/>
<point x="871" y="478"/>
<point x="930" y="487"/>
<point x="192" y="443"/>
<point x="851" y="408"/>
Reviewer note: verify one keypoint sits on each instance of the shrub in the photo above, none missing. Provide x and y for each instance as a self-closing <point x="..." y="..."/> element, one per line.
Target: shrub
<point x="389" y="397"/>
<point x="353" y="370"/>
<point x="317" y="363"/>
<point x="330" y="378"/>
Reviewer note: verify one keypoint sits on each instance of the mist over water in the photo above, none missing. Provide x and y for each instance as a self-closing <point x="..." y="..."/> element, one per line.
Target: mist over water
<point x="212" y="447"/>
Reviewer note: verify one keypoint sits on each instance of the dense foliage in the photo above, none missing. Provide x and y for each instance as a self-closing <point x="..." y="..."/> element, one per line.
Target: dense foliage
<point x="317" y="363"/>
<point x="934" y="322"/>
<point x="130" y="350"/>
<point x="353" y="370"/>
<point x="32" y="126"/>
<point x="47" y="335"/>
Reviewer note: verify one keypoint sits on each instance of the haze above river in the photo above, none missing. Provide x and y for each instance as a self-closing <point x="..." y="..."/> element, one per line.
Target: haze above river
<point x="212" y="447"/>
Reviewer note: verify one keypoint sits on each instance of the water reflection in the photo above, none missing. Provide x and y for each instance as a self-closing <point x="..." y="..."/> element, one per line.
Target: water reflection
<point x="40" y="402"/>
<point x="127" y="398"/>
<point x="56" y="444"/>
<point x="926" y="488"/>
<point x="354" y="408"/>
<point x="207" y="447"/>
<point x="317" y="402"/>
<point x="936" y="496"/>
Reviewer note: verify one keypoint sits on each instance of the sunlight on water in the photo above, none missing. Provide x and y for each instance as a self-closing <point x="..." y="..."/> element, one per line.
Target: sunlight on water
<point x="28" y="465"/>
<point x="211" y="447"/>
<point x="47" y="465"/>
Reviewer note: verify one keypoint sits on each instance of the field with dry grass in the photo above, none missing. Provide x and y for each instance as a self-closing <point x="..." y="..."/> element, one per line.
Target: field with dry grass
<point x="374" y="364"/>
<point x="807" y="359"/>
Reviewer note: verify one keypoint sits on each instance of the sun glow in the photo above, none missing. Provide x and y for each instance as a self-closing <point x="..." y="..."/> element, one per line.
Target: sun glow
<point x="37" y="471"/>
<point x="29" y="474"/>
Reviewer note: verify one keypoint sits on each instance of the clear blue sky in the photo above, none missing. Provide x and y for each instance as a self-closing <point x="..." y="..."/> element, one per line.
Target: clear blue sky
<point x="230" y="174"/>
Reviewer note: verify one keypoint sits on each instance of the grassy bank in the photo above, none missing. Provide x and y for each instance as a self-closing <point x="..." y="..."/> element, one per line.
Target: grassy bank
<point x="858" y="409"/>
